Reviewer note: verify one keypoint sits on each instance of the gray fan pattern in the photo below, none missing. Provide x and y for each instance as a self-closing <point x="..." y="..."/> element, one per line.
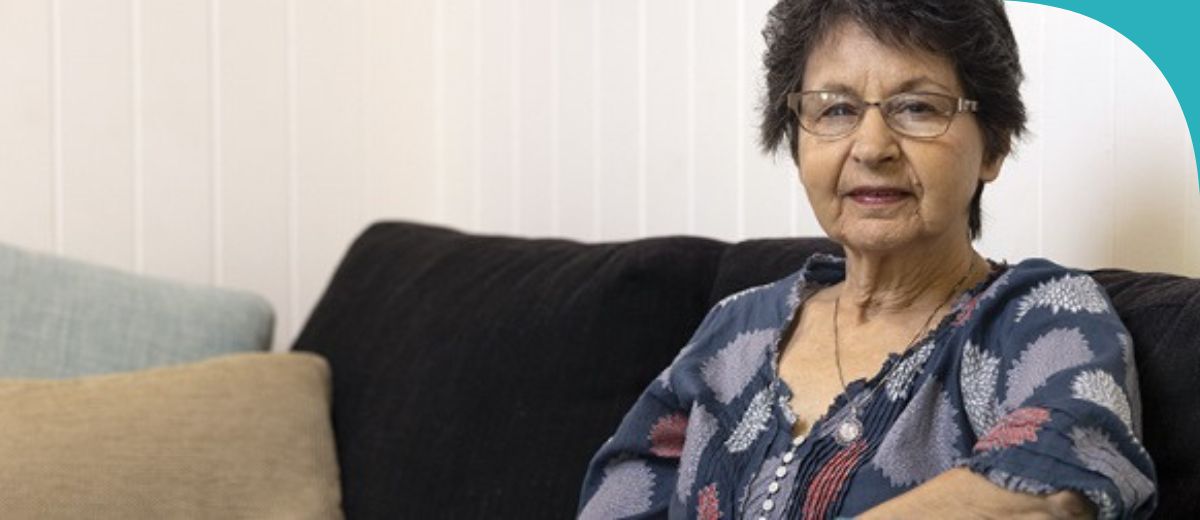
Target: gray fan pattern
<point x="625" y="491"/>
<point x="700" y="430"/>
<point x="729" y="370"/>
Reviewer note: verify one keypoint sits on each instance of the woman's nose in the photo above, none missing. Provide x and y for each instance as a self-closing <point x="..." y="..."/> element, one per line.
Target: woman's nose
<point x="875" y="143"/>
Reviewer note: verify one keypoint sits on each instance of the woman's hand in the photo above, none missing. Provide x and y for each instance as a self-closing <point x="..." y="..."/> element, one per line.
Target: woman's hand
<point x="959" y="493"/>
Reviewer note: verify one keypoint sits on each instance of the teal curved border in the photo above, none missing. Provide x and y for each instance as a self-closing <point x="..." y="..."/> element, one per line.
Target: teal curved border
<point x="1166" y="32"/>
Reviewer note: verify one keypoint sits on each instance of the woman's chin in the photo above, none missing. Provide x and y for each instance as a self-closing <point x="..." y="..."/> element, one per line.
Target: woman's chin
<point x="878" y="239"/>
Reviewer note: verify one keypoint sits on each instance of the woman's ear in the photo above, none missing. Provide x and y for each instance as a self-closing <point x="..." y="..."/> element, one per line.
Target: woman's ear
<point x="991" y="169"/>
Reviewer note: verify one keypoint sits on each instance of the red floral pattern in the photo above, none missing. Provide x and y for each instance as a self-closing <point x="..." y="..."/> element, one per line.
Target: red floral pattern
<point x="1018" y="427"/>
<point x="966" y="312"/>
<point x="708" y="504"/>
<point x="667" y="435"/>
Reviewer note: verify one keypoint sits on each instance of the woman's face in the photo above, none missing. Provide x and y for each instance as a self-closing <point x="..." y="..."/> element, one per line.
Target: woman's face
<point x="876" y="190"/>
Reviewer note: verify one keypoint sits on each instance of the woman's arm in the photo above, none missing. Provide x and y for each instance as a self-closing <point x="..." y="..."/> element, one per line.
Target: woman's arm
<point x="959" y="493"/>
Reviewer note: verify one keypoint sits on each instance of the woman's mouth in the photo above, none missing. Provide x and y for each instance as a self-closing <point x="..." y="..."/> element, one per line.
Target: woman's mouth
<point x="877" y="196"/>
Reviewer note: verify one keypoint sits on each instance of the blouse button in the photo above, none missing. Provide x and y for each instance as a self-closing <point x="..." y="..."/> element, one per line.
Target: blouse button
<point x="768" y="504"/>
<point x="796" y="441"/>
<point x="787" y="457"/>
<point x="773" y="488"/>
<point x="781" y="472"/>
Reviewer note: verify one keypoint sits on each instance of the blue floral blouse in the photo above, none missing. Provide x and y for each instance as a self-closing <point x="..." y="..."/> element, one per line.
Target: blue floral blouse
<point x="1029" y="381"/>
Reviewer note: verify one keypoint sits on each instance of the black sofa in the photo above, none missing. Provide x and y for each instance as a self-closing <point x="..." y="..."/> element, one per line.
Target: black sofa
<point x="474" y="376"/>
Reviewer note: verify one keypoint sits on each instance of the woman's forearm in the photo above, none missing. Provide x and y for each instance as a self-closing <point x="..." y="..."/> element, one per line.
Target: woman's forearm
<point x="959" y="493"/>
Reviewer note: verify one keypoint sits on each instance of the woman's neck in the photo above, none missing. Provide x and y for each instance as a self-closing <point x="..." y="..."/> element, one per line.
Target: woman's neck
<point x="915" y="280"/>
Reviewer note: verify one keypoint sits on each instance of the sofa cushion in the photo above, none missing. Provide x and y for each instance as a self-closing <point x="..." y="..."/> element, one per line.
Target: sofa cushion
<point x="475" y="376"/>
<point x="241" y="436"/>
<point x="64" y="318"/>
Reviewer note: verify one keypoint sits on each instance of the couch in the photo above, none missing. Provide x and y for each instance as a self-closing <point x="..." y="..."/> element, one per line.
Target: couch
<point x="473" y="376"/>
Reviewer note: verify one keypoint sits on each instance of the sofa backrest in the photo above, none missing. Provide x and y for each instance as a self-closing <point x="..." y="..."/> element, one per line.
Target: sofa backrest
<point x="475" y="376"/>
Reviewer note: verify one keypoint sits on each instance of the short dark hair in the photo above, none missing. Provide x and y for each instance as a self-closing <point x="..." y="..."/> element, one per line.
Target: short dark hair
<point x="973" y="34"/>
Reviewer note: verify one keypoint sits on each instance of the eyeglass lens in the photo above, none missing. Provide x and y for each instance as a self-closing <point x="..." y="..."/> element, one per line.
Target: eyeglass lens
<point x="836" y="114"/>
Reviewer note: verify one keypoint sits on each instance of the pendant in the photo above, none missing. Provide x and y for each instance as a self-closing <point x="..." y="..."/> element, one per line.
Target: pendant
<point x="849" y="430"/>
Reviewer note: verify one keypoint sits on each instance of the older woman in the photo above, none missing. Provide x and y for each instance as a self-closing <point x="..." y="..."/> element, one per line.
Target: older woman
<point x="913" y="378"/>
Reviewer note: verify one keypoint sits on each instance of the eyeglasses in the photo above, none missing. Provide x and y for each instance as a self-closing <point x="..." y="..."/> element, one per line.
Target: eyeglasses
<point x="833" y="114"/>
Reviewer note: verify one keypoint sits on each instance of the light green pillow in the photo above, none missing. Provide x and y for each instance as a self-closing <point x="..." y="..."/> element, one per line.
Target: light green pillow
<point x="63" y="318"/>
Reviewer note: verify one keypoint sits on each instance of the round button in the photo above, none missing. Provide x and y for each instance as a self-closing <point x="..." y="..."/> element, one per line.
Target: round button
<point x="798" y="440"/>
<point x="773" y="488"/>
<point x="781" y="472"/>
<point x="787" y="457"/>
<point x="768" y="504"/>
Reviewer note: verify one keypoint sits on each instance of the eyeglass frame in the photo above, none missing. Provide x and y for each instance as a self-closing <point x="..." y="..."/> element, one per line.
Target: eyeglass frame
<point x="961" y="105"/>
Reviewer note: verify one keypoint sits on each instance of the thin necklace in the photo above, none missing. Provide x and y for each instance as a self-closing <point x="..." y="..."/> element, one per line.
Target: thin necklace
<point x="850" y="428"/>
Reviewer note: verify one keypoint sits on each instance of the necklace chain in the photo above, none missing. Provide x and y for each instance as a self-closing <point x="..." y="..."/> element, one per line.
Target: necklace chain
<point x="837" y="303"/>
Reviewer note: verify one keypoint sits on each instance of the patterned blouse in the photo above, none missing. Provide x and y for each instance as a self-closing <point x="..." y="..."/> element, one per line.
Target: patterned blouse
<point x="1028" y="381"/>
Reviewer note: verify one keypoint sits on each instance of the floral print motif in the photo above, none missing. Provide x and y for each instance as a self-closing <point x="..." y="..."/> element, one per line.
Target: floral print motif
<point x="1107" y="508"/>
<point x="753" y="422"/>
<point x="902" y="376"/>
<point x="1100" y="454"/>
<point x="708" y="503"/>
<point x="1078" y="293"/>
<point x="1016" y="428"/>
<point x="667" y="435"/>
<point x="729" y="371"/>
<point x="625" y="491"/>
<point x="1053" y="352"/>
<point x="927" y="426"/>
<point x="1131" y="381"/>
<point x="1101" y="388"/>
<point x="980" y="371"/>
<point x="700" y="430"/>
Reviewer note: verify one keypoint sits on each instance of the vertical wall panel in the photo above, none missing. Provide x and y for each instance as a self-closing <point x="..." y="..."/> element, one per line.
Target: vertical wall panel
<point x="175" y="140"/>
<point x="399" y="110"/>
<point x="577" y="113"/>
<point x="499" y="127"/>
<point x="246" y="143"/>
<point x="1155" y="174"/>
<point x="536" y="105"/>
<point x="330" y="177"/>
<point x="666" y="131"/>
<point x="768" y="179"/>
<point x="458" y="122"/>
<point x="1011" y="213"/>
<point x="26" y="161"/>
<point x="1077" y="187"/>
<point x="98" y="189"/>
<point x="717" y="114"/>
<point x="619" y="104"/>
<point x="251" y="102"/>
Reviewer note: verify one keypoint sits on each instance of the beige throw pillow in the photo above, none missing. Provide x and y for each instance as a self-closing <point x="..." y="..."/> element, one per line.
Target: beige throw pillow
<point x="240" y="436"/>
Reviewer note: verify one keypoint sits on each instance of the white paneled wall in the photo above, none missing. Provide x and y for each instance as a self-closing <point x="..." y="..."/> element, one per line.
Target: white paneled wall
<point x="245" y="143"/>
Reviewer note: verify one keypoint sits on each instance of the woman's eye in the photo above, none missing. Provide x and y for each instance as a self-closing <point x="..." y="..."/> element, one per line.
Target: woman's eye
<point x="916" y="108"/>
<point x="840" y="110"/>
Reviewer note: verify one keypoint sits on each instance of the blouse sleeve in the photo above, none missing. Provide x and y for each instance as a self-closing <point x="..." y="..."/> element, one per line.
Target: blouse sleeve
<point x="635" y="472"/>
<point x="1051" y="393"/>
